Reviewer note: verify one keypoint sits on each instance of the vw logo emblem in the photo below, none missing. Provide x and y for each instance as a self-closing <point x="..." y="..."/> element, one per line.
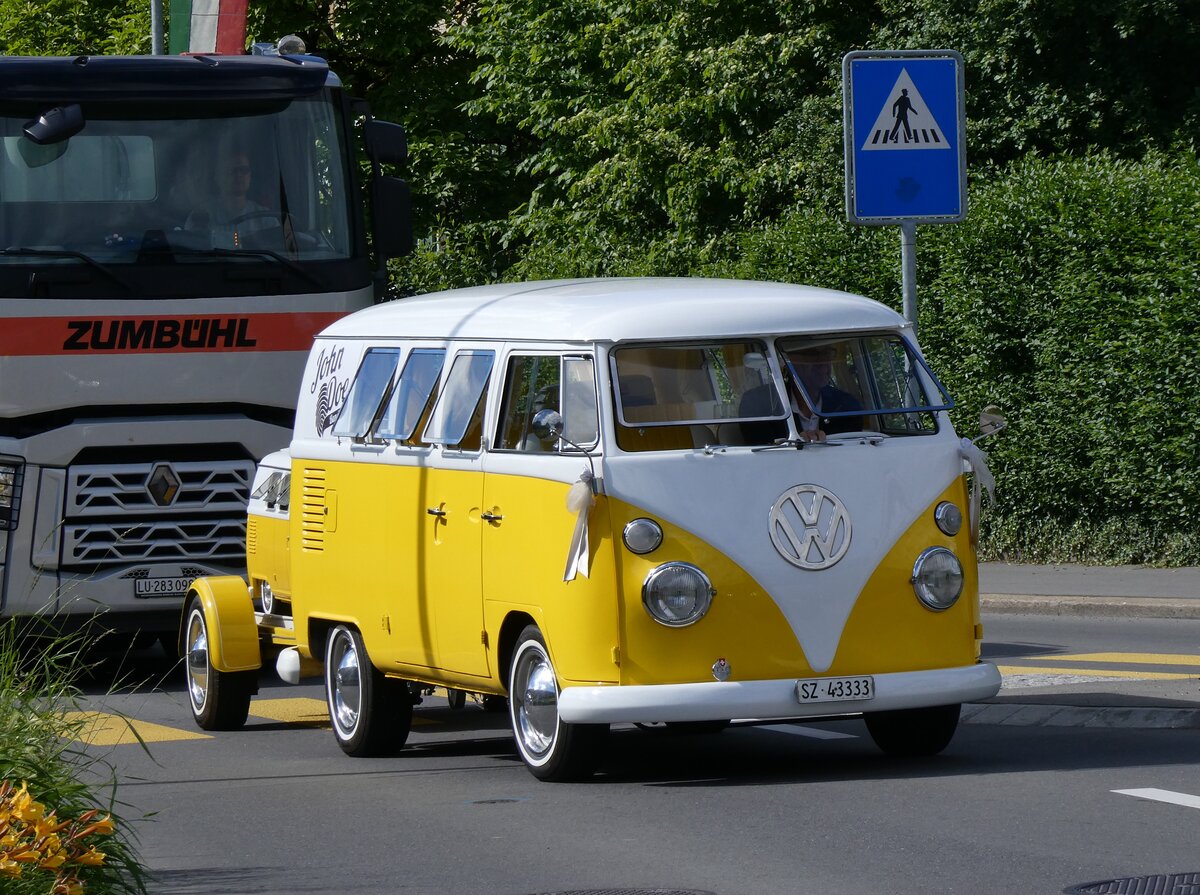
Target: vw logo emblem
<point x="810" y="527"/>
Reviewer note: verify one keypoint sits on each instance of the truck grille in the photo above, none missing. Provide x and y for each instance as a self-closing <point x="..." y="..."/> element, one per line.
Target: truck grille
<point x="156" y="512"/>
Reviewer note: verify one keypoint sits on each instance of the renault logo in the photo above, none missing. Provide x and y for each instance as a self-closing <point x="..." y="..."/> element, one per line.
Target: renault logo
<point x="810" y="527"/>
<point x="163" y="485"/>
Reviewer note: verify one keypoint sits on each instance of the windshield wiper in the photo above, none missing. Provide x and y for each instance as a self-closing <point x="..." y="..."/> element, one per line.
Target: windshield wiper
<point x="797" y="443"/>
<point x="67" y="253"/>
<point x="216" y="252"/>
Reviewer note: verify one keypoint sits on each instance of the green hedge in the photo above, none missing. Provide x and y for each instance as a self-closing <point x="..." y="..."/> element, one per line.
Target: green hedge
<point x="1069" y="297"/>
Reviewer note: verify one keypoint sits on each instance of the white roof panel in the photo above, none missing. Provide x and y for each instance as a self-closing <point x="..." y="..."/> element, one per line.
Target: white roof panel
<point x="609" y="310"/>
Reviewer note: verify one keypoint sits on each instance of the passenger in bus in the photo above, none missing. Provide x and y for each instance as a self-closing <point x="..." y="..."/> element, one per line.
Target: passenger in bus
<point x="813" y="368"/>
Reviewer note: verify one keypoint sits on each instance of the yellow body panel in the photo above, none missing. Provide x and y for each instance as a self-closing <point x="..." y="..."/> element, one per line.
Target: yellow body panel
<point x="267" y="546"/>
<point x="524" y="556"/>
<point x="432" y="593"/>
<point x="362" y="566"/>
<point x="232" y="628"/>
<point x="889" y="630"/>
<point x="451" y="573"/>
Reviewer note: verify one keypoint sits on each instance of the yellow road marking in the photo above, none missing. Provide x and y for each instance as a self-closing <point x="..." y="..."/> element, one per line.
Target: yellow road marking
<point x="1060" y="671"/>
<point x="104" y="729"/>
<point x="1134" y="658"/>
<point x="303" y="710"/>
<point x="292" y="710"/>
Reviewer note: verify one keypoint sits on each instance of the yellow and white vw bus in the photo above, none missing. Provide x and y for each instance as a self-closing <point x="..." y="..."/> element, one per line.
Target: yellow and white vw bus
<point x="675" y="501"/>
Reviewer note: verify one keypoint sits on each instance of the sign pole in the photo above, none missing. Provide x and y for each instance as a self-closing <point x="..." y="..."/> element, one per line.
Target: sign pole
<point x="905" y="143"/>
<point x="908" y="271"/>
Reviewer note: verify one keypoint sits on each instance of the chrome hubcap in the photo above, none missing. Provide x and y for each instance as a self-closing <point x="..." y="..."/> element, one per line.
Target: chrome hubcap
<point x="536" y="696"/>
<point x="345" y="686"/>
<point x="197" y="659"/>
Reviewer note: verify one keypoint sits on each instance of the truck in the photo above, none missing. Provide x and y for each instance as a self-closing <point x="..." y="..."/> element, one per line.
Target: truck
<point x="173" y="232"/>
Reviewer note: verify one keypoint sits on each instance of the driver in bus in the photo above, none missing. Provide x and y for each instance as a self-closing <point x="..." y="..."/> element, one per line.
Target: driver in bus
<point x="814" y="370"/>
<point x="812" y="367"/>
<point x="231" y="212"/>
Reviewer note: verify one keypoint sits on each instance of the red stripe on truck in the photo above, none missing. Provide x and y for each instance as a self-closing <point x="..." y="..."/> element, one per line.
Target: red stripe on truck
<point x="180" y="334"/>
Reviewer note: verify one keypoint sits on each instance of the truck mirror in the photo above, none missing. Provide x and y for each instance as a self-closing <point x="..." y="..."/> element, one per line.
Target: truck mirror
<point x="386" y="142"/>
<point x="55" y="125"/>
<point x="392" y="209"/>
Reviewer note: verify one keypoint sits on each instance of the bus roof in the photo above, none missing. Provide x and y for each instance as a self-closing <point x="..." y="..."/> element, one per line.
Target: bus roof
<point x="613" y="309"/>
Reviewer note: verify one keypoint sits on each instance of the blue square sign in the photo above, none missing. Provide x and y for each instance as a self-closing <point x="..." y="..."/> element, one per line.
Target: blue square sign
<point x="905" y="136"/>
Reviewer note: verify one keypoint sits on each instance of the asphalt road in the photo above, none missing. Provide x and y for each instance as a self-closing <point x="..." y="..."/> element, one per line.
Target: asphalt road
<point x="1033" y="795"/>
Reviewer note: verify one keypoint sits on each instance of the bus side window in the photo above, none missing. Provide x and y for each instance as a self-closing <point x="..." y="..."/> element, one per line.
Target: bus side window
<point x="581" y="416"/>
<point x="540" y="382"/>
<point x="412" y="397"/>
<point x="363" y="405"/>
<point x="532" y="384"/>
<point x="457" y="419"/>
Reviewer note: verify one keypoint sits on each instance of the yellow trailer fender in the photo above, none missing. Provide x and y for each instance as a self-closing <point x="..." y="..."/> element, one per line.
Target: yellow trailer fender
<point x="232" y="627"/>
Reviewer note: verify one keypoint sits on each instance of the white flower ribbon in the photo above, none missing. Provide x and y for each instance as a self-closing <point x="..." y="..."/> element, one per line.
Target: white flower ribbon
<point x="976" y="459"/>
<point x="580" y="501"/>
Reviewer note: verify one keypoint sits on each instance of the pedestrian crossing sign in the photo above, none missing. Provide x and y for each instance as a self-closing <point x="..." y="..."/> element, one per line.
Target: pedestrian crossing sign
<point x="905" y="136"/>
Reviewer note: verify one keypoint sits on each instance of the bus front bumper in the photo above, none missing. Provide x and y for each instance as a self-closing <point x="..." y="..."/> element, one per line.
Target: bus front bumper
<point x="771" y="698"/>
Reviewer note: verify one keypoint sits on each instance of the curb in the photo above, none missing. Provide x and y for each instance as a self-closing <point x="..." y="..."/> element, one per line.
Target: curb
<point x="1097" y="607"/>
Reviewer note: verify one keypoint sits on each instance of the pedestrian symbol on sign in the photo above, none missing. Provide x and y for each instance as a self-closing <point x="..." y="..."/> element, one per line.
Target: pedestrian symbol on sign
<point x="905" y="121"/>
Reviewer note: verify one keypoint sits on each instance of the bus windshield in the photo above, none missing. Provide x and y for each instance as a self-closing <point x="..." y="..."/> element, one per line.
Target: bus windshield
<point x="728" y="392"/>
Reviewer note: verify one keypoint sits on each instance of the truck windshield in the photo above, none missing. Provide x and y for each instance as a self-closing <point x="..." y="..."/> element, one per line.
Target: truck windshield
<point x="185" y="182"/>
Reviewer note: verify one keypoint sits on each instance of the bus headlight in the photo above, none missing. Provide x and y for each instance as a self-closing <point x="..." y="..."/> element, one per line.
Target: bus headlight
<point x="937" y="578"/>
<point x="10" y="495"/>
<point x="677" y="594"/>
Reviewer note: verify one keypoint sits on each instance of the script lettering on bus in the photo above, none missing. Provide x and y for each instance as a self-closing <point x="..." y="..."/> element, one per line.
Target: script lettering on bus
<point x="332" y="388"/>
<point x="162" y="334"/>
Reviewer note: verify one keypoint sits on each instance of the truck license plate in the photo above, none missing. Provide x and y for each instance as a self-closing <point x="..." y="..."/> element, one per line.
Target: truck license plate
<point x="161" y="587"/>
<point x="835" y="689"/>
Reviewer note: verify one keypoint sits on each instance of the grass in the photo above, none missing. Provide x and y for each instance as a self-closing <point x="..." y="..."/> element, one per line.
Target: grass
<point x="60" y="830"/>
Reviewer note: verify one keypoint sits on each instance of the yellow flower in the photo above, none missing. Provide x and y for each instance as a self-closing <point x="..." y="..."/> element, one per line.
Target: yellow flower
<point x="67" y="885"/>
<point x="8" y="867"/>
<point x="25" y="855"/>
<point x="89" y="858"/>
<point x="52" y="860"/>
<point x="49" y="825"/>
<point x="25" y="808"/>
<point x="102" y="827"/>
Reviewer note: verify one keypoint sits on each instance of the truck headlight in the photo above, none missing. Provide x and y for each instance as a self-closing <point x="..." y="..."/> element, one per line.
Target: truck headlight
<point x="937" y="578"/>
<point x="10" y="494"/>
<point x="677" y="594"/>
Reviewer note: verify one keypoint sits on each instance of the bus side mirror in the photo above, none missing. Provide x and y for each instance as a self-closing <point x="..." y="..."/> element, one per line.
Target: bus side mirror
<point x="991" y="421"/>
<point x="547" y="424"/>
<point x="392" y="211"/>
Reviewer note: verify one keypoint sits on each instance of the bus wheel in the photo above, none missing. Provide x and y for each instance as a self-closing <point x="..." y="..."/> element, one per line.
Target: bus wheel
<point x="913" y="732"/>
<point x="220" y="700"/>
<point x="371" y="714"/>
<point x="551" y="748"/>
<point x="456" y="699"/>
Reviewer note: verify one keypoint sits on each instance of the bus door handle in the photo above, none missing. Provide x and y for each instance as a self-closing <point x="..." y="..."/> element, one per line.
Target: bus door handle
<point x="436" y="511"/>
<point x="491" y="517"/>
